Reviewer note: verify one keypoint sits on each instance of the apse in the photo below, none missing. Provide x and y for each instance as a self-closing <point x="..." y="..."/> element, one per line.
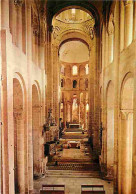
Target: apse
<point x="74" y="51"/>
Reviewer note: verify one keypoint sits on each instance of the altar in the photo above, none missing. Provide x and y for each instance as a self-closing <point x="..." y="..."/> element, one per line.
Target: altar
<point x="73" y="144"/>
<point x="74" y="126"/>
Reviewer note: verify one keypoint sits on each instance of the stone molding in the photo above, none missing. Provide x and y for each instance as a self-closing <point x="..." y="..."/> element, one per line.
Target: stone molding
<point x="86" y="27"/>
<point x="124" y="114"/>
<point x="35" y="24"/>
<point x="127" y="2"/>
<point x="18" y="115"/>
<point x="18" y="3"/>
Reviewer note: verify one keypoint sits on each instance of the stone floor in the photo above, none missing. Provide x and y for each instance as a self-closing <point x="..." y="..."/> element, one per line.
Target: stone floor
<point x="73" y="154"/>
<point x="73" y="179"/>
<point x="72" y="184"/>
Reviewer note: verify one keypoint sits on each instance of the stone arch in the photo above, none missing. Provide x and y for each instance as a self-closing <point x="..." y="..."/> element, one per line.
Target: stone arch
<point x="19" y="136"/>
<point x="91" y="9"/>
<point x="126" y="125"/>
<point x="62" y="83"/>
<point x="36" y="130"/>
<point x="110" y="128"/>
<point x="77" y="35"/>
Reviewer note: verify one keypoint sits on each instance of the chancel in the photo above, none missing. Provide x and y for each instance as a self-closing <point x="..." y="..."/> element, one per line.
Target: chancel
<point x="67" y="96"/>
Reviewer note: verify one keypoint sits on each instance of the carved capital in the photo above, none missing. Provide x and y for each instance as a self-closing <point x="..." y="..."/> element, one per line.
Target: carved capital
<point x="56" y="30"/>
<point x="125" y="113"/>
<point x="127" y="2"/>
<point x="18" y="3"/>
<point x="18" y="115"/>
<point x="91" y="32"/>
<point x="35" y="24"/>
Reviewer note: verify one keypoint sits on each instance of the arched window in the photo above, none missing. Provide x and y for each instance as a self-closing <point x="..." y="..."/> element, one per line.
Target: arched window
<point x="87" y="107"/>
<point x="87" y="69"/>
<point x="86" y="83"/>
<point x="74" y="84"/>
<point x="73" y="11"/>
<point x="62" y="69"/>
<point x="74" y="70"/>
<point x="62" y="83"/>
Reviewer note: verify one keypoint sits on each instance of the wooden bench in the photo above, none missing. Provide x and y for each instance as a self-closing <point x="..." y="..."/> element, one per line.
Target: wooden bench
<point x="52" y="189"/>
<point x="92" y="189"/>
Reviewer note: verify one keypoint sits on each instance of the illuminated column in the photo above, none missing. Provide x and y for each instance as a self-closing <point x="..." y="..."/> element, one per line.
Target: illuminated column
<point x="5" y="179"/>
<point x="19" y="25"/>
<point x="56" y="90"/>
<point x="128" y="22"/>
<point x="64" y="113"/>
<point x="122" y="26"/>
<point x="134" y="139"/>
<point x="49" y="69"/>
<point x="29" y="97"/>
<point x="111" y="38"/>
<point x="78" y="110"/>
<point x="71" y="104"/>
<point x="126" y="152"/>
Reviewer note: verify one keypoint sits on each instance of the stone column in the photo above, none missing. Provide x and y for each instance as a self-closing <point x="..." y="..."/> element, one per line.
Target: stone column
<point x="4" y="132"/>
<point x="19" y="122"/>
<point x="78" y="109"/>
<point x="128" y="22"/>
<point x="56" y="83"/>
<point x="126" y="153"/>
<point x="85" y="116"/>
<point x="71" y="104"/>
<point x="110" y="47"/>
<point x="116" y="93"/>
<point x="104" y="110"/>
<point x="64" y="113"/>
<point x="91" y="90"/>
<point x="18" y="5"/>
<point x="134" y="21"/>
<point x="14" y="24"/>
<point x="49" y="70"/>
<point x="134" y="137"/>
<point x="122" y="25"/>
<point x="29" y="96"/>
<point x="110" y="38"/>
<point x="36" y="138"/>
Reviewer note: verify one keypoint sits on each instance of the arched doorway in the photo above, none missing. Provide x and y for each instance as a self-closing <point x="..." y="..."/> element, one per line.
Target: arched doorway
<point x="126" y="133"/>
<point x="19" y="136"/>
<point x="36" y="130"/>
<point x="110" y="129"/>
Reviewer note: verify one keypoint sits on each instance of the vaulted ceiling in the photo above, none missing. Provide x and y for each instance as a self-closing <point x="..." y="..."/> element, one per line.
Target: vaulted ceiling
<point x="96" y="7"/>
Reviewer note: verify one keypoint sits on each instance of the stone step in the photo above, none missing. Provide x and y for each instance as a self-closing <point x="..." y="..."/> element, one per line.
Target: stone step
<point x="73" y="130"/>
<point x="68" y="173"/>
<point x="74" y="166"/>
